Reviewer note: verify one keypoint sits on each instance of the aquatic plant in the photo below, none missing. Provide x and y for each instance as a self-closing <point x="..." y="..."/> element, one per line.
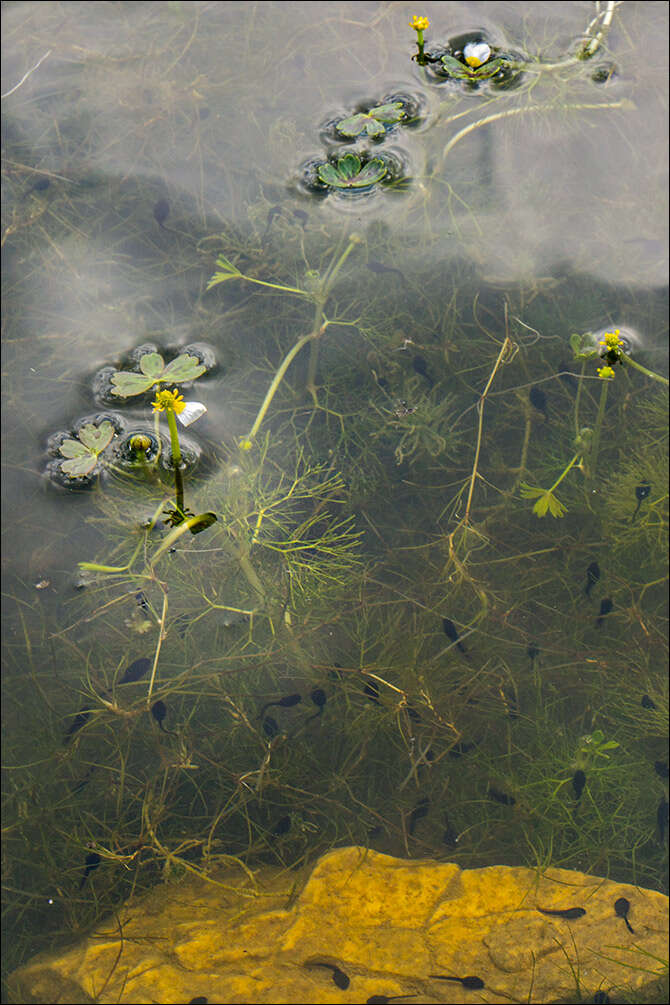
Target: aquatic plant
<point x="82" y="453"/>
<point x="350" y="172"/>
<point x="473" y="70"/>
<point x="373" y="123"/>
<point x="172" y="404"/>
<point x="153" y="370"/>
<point x="419" y="24"/>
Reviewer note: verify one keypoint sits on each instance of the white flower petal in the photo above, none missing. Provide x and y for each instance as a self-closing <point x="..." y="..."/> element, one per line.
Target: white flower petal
<point x="191" y="412"/>
<point x="476" y="53"/>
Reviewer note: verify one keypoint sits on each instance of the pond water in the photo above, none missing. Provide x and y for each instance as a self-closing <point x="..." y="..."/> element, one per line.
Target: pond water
<point x="476" y="682"/>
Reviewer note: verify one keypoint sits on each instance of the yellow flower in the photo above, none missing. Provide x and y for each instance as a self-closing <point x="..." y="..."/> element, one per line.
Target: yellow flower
<point x="612" y="340"/>
<point x="169" y="401"/>
<point x="419" y="23"/>
<point x="605" y="372"/>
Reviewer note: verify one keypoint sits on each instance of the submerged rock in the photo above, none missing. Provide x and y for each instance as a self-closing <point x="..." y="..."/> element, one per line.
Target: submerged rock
<point x="387" y="923"/>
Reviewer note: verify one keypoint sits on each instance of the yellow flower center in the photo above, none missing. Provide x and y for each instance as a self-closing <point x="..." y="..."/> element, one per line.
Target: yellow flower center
<point x="169" y="401"/>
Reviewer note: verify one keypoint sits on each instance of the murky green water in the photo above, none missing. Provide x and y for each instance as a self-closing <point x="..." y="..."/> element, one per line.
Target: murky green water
<point x="389" y="485"/>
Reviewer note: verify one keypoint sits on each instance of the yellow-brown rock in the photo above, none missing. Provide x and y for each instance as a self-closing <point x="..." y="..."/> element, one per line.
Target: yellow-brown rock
<point x="386" y="924"/>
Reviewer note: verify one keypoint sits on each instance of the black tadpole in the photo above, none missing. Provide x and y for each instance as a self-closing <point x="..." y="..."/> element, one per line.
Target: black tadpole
<point x="286" y="702"/>
<point x="647" y="702"/>
<point x="421" y="367"/>
<point x="578" y="783"/>
<point x="385" y="999"/>
<point x="452" y="635"/>
<point x="641" y="493"/>
<point x="472" y="983"/>
<point x="318" y="697"/>
<point x="500" y="797"/>
<point x="159" y="712"/>
<point x="538" y="400"/>
<point x="569" y="913"/>
<point x="606" y="606"/>
<point x="270" y="727"/>
<point x="92" y="862"/>
<point x="136" y="671"/>
<point x="592" y="577"/>
<point x="621" y="909"/>
<point x="161" y="212"/>
<point x="340" y="979"/>
<point x="79" y="720"/>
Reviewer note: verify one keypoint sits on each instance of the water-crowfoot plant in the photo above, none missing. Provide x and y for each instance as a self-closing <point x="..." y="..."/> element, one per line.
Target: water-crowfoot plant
<point x="318" y="289"/>
<point x="546" y="501"/>
<point x="419" y="24"/>
<point x="373" y="122"/>
<point x="82" y="454"/>
<point x="593" y="747"/>
<point x="477" y="65"/>
<point x="172" y="404"/>
<point x="349" y="172"/>
<point x="126" y="384"/>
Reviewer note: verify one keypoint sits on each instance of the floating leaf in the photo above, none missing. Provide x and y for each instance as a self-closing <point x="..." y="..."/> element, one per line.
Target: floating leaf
<point x="125" y="385"/>
<point x="182" y="368"/>
<point x="82" y="454"/>
<point x="373" y="172"/>
<point x="96" y="438"/>
<point x="392" y="112"/>
<point x="348" y="172"/>
<point x="78" y="467"/>
<point x="355" y="124"/>
<point x="329" y="175"/>
<point x="458" y="71"/>
<point x="152" y="364"/>
<point x="348" y="166"/>
<point x="371" y="122"/>
<point x="454" y="68"/>
<point x="73" y="448"/>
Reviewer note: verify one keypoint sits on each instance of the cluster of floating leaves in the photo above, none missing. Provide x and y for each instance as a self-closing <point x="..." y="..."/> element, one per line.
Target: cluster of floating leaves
<point x="487" y="63"/>
<point x="102" y="442"/>
<point x="359" y="170"/>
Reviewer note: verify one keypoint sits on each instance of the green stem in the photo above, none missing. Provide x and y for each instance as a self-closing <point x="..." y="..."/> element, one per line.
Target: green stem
<point x="318" y="329"/>
<point x="276" y="381"/>
<point x="577" y="397"/>
<point x="648" y="373"/>
<point x="176" y="459"/>
<point x="559" y="480"/>
<point x="313" y="364"/>
<point x="593" y="458"/>
<point x="276" y="286"/>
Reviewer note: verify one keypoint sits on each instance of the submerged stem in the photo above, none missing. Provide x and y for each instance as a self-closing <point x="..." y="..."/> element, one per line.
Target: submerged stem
<point x="593" y="459"/>
<point x="644" y="370"/>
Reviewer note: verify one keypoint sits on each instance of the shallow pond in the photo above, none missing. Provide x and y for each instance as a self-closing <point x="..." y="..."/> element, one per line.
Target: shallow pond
<point x="425" y="605"/>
